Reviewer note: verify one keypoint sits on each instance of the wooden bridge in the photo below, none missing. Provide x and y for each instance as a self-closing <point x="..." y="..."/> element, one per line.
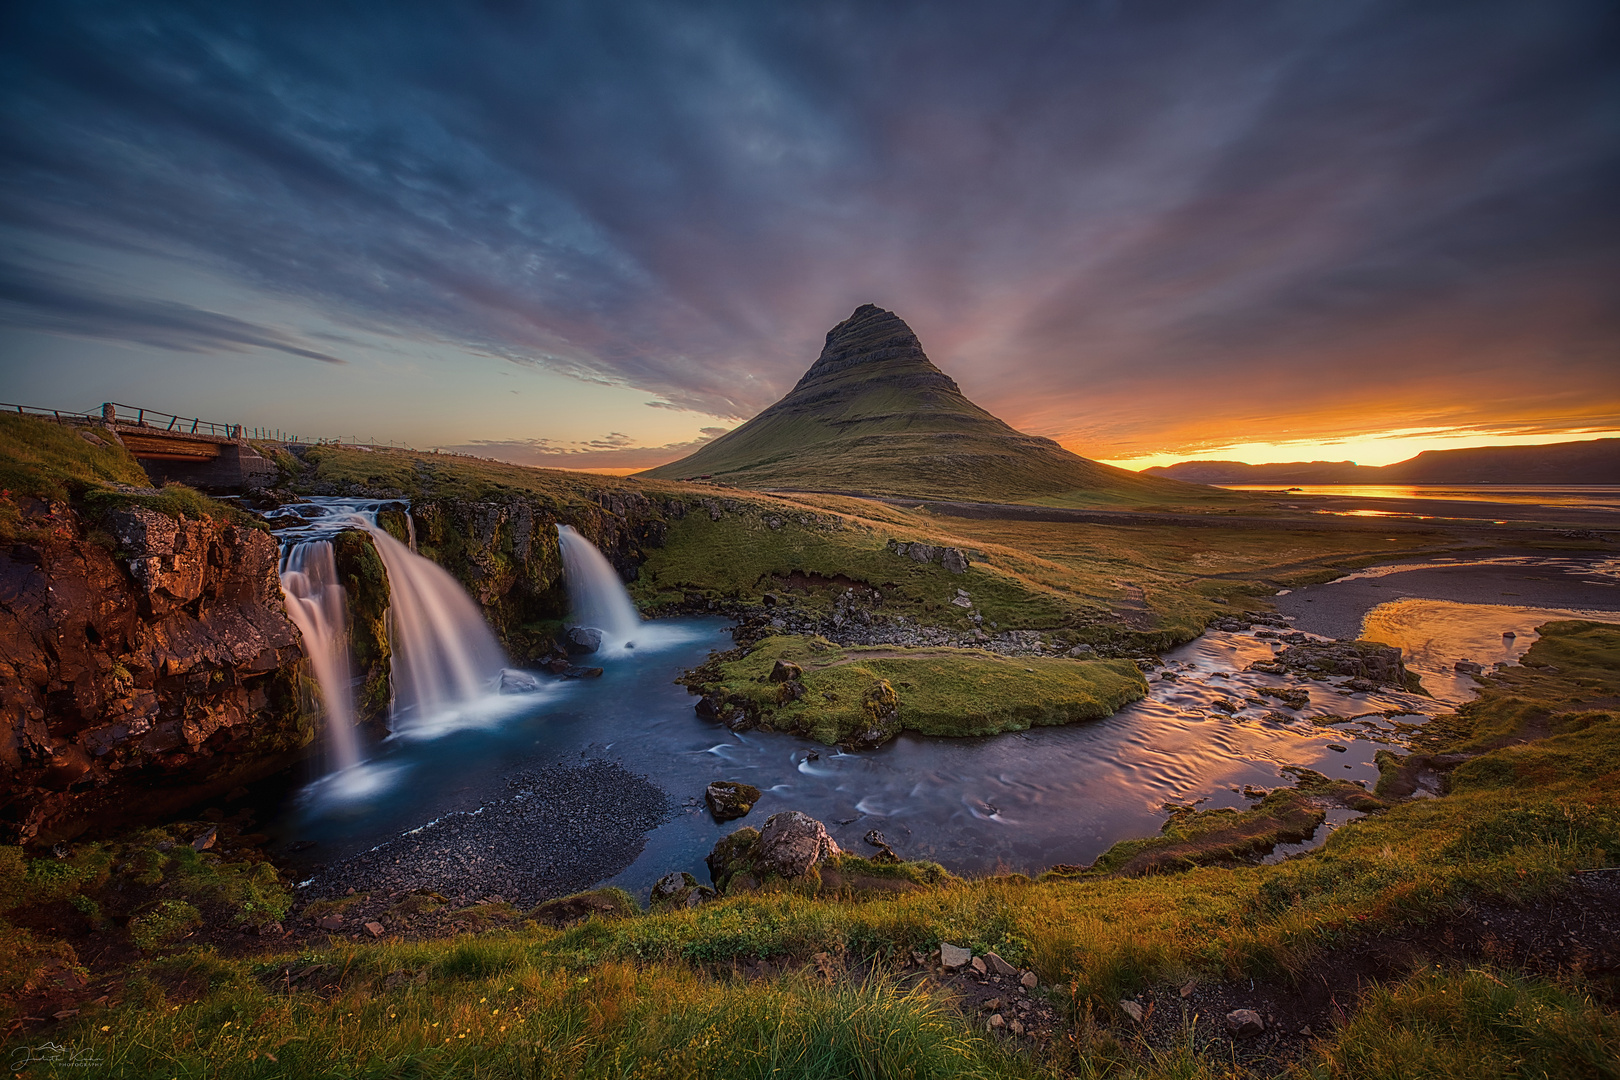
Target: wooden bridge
<point x="187" y="450"/>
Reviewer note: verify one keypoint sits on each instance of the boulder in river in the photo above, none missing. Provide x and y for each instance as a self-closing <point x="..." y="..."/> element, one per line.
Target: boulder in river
<point x="790" y="847"/>
<point x="514" y="681"/>
<point x="730" y="799"/>
<point x="1368" y="660"/>
<point x="584" y="639"/>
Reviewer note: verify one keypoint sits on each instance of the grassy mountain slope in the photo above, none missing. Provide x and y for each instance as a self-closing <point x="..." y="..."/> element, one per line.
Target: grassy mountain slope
<point x="874" y="415"/>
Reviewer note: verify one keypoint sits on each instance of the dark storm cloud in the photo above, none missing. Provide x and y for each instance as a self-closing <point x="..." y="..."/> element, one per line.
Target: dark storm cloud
<point x="1072" y="203"/>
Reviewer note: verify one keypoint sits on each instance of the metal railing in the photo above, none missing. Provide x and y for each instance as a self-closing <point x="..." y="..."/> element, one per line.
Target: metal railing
<point x="46" y="414"/>
<point x="151" y="418"/>
<point x="113" y="412"/>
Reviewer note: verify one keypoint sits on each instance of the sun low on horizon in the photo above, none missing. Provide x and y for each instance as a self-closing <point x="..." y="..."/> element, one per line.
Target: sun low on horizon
<point x="598" y="238"/>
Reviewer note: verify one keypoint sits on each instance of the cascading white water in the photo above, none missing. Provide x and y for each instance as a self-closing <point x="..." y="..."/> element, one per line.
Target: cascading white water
<point x="444" y="653"/>
<point x="597" y="595"/>
<point x="317" y="603"/>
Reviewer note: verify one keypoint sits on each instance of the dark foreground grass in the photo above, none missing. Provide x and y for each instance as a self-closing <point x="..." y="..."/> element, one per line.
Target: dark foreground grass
<point x="507" y="1014"/>
<point x="1463" y="1024"/>
<point x="653" y="995"/>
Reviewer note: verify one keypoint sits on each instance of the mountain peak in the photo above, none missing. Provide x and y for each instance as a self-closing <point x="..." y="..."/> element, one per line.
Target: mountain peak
<point x="871" y="335"/>
<point x="874" y="414"/>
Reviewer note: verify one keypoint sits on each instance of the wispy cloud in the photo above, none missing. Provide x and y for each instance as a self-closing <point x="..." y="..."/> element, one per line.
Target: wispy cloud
<point x="614" y="451"/>
<point x="34" y="300"/>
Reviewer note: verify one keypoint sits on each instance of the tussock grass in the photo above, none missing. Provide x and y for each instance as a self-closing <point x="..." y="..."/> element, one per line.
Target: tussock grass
<point x="53" y="461"/>
<point x="1463" y="1024"/>
<point x="534" y="1018"/>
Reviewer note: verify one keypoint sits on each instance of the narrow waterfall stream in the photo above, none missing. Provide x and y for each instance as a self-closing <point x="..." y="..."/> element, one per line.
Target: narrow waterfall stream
<point x="317" y="603"/>
<point x="444" y="653"/>
<point x="597" y="594"/>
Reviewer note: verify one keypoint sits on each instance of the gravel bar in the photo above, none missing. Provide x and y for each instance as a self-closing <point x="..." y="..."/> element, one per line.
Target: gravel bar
<point x="561" y="830"/>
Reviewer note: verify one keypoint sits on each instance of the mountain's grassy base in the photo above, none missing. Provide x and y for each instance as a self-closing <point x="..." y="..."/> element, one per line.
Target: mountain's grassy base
<point x="655" y="995"/>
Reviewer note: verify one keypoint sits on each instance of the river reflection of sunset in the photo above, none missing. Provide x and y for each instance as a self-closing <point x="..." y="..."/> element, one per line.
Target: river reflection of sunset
<point x="1590" y="496"/>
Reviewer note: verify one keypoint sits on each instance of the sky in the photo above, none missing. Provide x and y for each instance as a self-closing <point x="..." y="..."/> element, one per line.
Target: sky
<point x="596" y="234"/>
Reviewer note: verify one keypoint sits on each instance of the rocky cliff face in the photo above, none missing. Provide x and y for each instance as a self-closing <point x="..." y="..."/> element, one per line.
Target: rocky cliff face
<point x="144" y="665"/>
<point x="507" y="555"/>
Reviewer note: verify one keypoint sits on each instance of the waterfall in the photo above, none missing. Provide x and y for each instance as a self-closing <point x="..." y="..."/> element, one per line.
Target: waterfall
<point x="595" y="592"/>
<point x="444" y="653"/>
<point x="318" y="605"/>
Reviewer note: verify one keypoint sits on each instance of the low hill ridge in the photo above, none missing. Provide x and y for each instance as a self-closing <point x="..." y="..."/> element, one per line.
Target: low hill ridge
<point x="1589" y="461"/>
<point x="873" y="414"/>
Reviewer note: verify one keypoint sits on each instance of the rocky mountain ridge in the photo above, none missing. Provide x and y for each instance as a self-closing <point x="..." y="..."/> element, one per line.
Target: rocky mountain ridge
<point x="1591" y="461"/>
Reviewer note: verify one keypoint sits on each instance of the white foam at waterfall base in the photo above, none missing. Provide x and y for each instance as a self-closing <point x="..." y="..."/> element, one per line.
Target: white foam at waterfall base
<point x="317" y="603"/>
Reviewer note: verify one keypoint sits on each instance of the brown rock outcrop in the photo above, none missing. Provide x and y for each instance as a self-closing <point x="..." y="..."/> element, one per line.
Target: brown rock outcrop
<point x="142" y="668"/>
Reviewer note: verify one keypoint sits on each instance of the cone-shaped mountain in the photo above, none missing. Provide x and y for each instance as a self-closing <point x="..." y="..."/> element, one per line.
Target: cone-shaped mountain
<point x="874" y="415"/>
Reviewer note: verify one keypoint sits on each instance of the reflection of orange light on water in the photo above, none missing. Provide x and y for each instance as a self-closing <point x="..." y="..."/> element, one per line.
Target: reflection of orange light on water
<point x="1590" y="496"/>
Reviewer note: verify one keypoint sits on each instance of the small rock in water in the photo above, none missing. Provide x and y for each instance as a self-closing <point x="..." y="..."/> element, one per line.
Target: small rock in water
<point x="954" y="956"/>
<point x="1244" y="1022"/>
<point x="730" y="799"/>
<point x="1467" y="667"/>
<point x="514" y="681"/>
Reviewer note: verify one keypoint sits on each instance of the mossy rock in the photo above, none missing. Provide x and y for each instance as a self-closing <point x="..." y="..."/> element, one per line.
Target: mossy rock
<point x="610" y="903"/>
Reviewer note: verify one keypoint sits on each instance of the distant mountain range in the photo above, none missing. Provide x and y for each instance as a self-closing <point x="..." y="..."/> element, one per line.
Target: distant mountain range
<point x="874" y="415"/>
<point x="1593" y="461"/>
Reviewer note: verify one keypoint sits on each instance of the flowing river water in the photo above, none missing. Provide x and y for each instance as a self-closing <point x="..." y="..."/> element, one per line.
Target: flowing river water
<point x="1014" y="802"/>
